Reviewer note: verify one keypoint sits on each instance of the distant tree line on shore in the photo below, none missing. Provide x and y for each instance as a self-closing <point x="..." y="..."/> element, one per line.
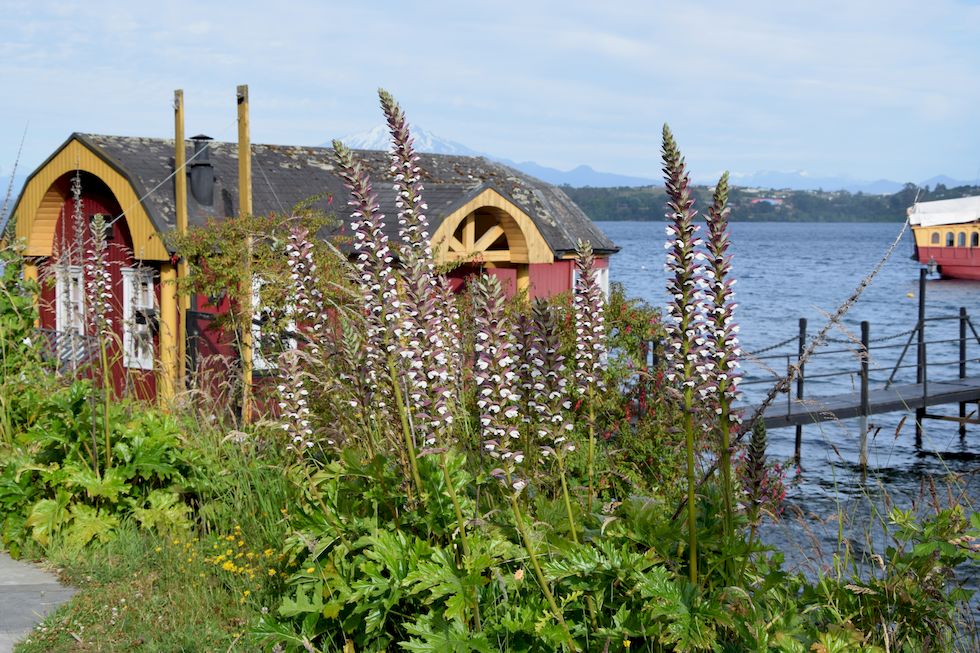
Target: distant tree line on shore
<point x="764" y="205"/>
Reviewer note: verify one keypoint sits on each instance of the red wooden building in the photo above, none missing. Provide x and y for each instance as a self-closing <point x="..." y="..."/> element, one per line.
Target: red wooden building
<point x="485" y="214"/>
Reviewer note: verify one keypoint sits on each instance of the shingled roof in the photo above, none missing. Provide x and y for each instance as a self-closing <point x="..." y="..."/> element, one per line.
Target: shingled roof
<point x="283" y="176"/>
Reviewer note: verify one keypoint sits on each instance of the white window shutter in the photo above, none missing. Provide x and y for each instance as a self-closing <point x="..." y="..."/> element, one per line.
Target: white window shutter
<point x="138" y="298"/>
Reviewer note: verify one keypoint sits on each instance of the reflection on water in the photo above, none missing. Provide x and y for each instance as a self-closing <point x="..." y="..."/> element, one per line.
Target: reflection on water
<point x="789" y="271"/>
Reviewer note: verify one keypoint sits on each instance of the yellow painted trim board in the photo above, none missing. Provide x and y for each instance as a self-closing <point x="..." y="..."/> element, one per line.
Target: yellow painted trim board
<point x="37" y="211"/>
<point x="537" y="249"/>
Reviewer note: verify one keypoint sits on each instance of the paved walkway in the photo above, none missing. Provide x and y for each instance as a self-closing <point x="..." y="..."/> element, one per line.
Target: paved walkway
<point x="27" y="594"/>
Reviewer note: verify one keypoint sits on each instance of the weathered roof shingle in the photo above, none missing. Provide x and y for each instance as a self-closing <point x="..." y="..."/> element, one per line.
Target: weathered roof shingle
<point x="283" y="176"/>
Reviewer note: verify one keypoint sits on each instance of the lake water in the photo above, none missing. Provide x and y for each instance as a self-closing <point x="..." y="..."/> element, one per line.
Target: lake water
<point x="789" y="271"/>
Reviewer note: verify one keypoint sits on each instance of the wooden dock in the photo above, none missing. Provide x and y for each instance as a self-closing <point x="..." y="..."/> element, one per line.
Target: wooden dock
<point x="897" y="398"/>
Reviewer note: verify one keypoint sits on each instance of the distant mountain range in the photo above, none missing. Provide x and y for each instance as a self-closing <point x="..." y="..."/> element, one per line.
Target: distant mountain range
<point x="583" y="175"/>
<point x="425" y="141"/>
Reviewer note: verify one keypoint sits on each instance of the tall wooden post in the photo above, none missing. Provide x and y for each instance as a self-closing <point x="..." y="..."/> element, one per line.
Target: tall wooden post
<point x="963" y="319"/>
<point x="30" y="274"/>
<point x="167" y="379"/>
<point x="180" y="199"/>
<point x="801" y="345"/>
<point x="245" y="209"/>
<point x="865" y="408"/>
<point x="524" y="280"/>
<point x="920" y="367"/>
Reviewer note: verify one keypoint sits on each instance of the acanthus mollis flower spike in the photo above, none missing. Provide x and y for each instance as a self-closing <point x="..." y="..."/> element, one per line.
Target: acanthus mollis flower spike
<point x="422" y="354"/>
<point x="352" y="368"/>
<point x="722" y="332"/>
<point x="549" y="394"/>
<point x="376" y="277"/>
<point x="684" y="325"/>
<point x="684" y="328"/>
<point x="528" y="361"/>
<point x="754" y="471"/>
<point x="80" y="231"/>
<point x="294" y="406"/>
<point x="451" y="328"/>
<point x="429" y="346"/>
<point x="590" y="332"/>
<point x="98" y="280"/>
<point x="413" y="226"/>
<point x="722" y="347"/>
<point x="494" y="377"/>
<point x="306" y="298"/>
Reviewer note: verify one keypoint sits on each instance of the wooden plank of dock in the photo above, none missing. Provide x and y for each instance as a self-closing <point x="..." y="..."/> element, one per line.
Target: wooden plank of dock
<point x="897" y="398"/>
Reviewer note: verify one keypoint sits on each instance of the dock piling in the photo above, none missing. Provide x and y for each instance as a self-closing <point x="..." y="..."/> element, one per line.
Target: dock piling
<point x="865" y="408"/>
<point x="963" y="321"/>
<point x="799" y="389"/>
<point x="920" y="362"/>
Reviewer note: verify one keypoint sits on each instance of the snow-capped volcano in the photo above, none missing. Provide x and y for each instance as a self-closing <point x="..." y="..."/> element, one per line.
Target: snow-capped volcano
<point x="378" y="138"/>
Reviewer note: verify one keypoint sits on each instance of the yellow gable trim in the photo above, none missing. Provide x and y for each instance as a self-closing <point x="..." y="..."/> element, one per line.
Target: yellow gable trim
<point x="537" y="249"/>
<point x="36" y="214"/>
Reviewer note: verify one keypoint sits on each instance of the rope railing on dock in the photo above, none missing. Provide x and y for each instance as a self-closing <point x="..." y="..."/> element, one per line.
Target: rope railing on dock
<point x="783" y="343"/>
<point x="839" y="341"/>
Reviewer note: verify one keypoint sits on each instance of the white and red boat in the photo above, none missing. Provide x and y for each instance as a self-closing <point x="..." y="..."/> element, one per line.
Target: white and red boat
<point x="947" y="236"/>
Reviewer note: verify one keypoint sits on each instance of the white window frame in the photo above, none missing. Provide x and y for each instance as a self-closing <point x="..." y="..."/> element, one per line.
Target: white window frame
<point x="139" y="294"/>
<point x="70" y="300"/>
<point x="603" y="274"/>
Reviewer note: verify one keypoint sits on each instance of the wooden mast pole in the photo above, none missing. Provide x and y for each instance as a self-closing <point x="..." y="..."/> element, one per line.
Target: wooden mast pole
<point x="170" y="313"/>
<point x="245" y="210"/>
<point x="180" y="192"/>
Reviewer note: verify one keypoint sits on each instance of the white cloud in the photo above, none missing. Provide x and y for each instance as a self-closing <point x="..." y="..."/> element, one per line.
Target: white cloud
<point x="873" y="89"/>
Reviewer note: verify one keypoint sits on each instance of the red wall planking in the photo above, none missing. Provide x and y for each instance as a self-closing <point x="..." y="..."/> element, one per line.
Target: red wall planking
<point x="97" y="198"/>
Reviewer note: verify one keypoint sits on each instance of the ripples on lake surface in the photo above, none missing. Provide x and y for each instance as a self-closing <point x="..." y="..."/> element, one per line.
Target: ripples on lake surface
<point x="794" y="270"/>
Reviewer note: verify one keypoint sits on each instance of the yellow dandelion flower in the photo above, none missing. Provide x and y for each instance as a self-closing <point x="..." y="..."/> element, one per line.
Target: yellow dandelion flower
<point x="626" y="643"/>
<point x="241" y="543"/>
<point x="246" y="592"/>
<point x="272" y="572"/>
<point x="228" y="566"/>
<point x="310" y="570"/>
<point x="158" y="549"/>
<point x="268" y="552"/>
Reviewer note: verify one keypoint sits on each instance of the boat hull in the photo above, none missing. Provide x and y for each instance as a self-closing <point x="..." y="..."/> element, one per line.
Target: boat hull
<point x="952" y="262"/>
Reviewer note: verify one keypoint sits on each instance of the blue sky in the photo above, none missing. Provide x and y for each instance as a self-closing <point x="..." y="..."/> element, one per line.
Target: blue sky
<point x="866" y="89"/>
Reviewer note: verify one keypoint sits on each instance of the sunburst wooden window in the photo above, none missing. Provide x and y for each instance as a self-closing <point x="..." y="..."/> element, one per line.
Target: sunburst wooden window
<point x="482" y="236"/>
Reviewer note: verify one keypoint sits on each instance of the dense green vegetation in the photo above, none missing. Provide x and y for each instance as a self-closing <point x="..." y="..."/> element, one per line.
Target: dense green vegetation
<point x="448" y="474"/>
<point x="758" y="205"/>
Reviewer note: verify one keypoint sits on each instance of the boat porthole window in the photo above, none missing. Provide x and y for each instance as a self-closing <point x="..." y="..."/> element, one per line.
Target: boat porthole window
<point x="975" y="239"/>
<point x="935" y="238"/>
<point x="950" y="239"/>
<point x="961" y="240"/>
